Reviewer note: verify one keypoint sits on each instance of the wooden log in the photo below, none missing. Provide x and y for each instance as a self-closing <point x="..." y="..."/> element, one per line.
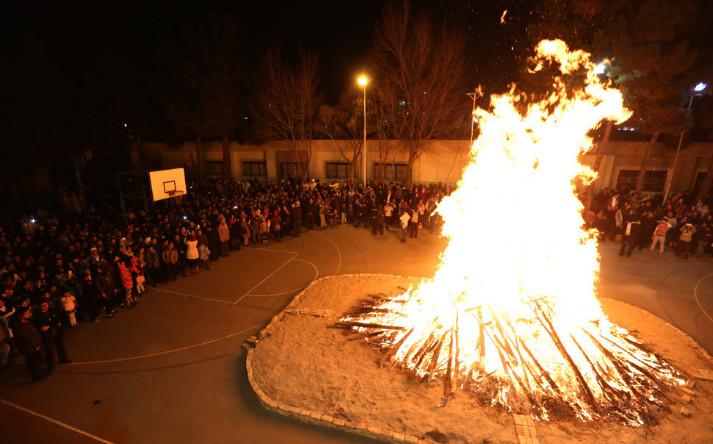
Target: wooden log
<point x="359" y="324"/>
<point x="549" y="328"/>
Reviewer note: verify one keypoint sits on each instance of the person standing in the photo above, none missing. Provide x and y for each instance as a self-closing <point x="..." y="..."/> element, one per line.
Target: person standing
<point x="379" y="221"/>
<point x="29" y="344"/>
<point x="69" y="305"/>
<point x="106" y="290"/>
<point x="214" y="241"/>
<point x="404" y="219"/>
<point x="388" y="209"/>
<point x="49" y="325"/>
<point x="91" y="296"/>
<point x="685" y="239"/>
<point x="127" y="281"/>
<point x="192" y="255"/>
<point x="223" y="235"/>
<point x="659" y="236"/>
<point x="413" y="224"/>
<point x="276" y="224"/>
<point x="153" y="264"/>
<point x="5" y="334"/>
<point x="170" y="260"/>
<point x="234" y="230"/>
<point x="632" y="231"/>
<point x="704" y="238"/>
<point x="297" y="218"/>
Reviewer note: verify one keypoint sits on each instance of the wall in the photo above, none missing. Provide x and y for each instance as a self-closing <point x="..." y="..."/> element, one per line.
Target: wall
<point x="441" y="161"/>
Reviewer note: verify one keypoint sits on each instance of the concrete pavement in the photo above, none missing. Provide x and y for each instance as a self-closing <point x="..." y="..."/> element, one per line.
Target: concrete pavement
<point x="171" y="370"/>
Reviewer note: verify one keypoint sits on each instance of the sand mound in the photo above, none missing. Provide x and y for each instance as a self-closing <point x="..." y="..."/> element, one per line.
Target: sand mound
<point x="303" y="367"/>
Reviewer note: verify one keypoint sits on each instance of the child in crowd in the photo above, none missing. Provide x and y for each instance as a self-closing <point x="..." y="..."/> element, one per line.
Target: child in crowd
<point x="69" y="306"/>
<point x="204" y="255"/>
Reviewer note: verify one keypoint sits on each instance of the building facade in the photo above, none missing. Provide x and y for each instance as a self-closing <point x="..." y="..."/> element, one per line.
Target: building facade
<point x="441" y="161"/>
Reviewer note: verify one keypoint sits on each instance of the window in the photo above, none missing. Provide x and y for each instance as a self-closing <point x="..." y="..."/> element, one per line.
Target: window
<point x="254" y="169"/>
<point x="390" y="171"/>
<point x="654" y="181"/>
<point x="288" y="170"/>
<point x="214" y="167"/>
<point x="627" y="180"/>
<point x="338" y="170"/>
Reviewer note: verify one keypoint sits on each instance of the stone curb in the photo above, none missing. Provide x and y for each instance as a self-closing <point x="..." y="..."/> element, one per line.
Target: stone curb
<point x="316" y="418"/>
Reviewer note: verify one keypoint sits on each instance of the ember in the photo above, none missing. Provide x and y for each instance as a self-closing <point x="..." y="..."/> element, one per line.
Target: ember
<point x="511" y="314"/>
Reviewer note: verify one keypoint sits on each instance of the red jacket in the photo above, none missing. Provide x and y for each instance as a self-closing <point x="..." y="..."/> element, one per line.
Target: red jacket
<point x="125" y="275"/>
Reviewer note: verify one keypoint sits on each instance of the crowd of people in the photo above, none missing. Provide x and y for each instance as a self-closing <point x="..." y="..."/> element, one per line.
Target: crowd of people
<point x="682" y="224"/>
<point x="77" y="265"/>
<point x="80" y="265"/>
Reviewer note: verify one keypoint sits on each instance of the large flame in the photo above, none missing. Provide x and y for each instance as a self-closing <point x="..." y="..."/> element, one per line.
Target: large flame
<point x="511" y="313"/>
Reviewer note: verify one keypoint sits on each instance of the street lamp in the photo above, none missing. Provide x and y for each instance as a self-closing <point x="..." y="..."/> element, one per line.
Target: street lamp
<point x="697" y="90"/>
<point x="362" y="81"/>
<point x="700" y="86"/>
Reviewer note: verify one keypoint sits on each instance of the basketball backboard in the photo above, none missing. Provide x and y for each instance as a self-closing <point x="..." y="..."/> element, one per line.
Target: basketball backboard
<point x="167" y="183"/>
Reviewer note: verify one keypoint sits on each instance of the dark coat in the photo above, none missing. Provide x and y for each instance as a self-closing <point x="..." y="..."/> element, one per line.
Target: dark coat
<point x="47" y="319"/>
<point x="27" y="338"/>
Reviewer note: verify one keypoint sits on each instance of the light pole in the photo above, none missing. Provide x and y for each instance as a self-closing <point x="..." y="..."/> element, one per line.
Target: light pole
<point x="697" y="90"/>
<point x="362" y="81"/>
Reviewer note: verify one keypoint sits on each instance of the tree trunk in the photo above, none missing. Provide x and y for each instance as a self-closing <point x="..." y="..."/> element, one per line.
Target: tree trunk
<point x="199" y="160"/>
<point x="645" y="163"/>
<point x="412" y="155"/>
<point x="706" y="186"/>
<point x="227" y="161"/>
<point x="598" y="162"/>
<point x="600" y="147"/>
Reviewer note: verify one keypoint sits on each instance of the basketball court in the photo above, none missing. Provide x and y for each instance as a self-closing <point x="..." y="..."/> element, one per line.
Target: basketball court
<point x="171" y="370"/>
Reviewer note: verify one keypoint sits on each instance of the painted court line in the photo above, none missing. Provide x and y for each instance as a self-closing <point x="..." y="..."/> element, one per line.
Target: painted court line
<point x="195" y="296"/>
<point x="294" y="255"/>
<point x="698" y="301"/>
<point x="167" y="352"/>
<point x="294" y="290"/>
<point x="55" y="422"/>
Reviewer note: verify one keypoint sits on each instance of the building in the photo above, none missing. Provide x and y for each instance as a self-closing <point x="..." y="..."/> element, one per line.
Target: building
<point x="441" y="161"/>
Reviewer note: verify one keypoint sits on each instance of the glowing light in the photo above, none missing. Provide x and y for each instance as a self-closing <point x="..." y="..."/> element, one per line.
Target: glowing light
<point x="511" y="312"/>
<point x="502" y="17"/>
<point x="362" y="80"/>
<point x="600" y="68"/>
<point x="700" y="86"/>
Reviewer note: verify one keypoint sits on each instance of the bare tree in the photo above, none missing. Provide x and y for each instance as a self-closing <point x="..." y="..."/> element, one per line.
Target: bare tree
<point x="341" y="125"/>
<point x="199" y="81"/>
<point x="419" y="76"/>
<point x="286" y="103"/>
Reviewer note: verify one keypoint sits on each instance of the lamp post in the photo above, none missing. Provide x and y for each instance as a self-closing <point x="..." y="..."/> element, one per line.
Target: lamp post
<point x="362" y="81"/>
<point x="697" y="90"/>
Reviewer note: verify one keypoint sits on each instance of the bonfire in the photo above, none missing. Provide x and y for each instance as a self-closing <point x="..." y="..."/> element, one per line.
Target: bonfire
<point x="511" y="315"/>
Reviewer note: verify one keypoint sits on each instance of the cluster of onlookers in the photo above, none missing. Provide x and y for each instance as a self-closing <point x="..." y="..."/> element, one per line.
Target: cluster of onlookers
<point x="78" y="265"/>
<point x="682" y="224"/>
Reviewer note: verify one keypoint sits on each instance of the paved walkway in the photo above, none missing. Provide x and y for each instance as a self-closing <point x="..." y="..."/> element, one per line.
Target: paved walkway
<point x="171" y="370"/>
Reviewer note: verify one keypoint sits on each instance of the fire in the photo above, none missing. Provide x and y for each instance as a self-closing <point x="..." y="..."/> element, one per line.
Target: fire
<point x="511" y="314"/>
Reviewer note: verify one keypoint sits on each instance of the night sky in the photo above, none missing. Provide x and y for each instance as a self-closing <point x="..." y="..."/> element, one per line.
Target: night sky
<point x="77" y="71"/>
<point x="64" y="40"/>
